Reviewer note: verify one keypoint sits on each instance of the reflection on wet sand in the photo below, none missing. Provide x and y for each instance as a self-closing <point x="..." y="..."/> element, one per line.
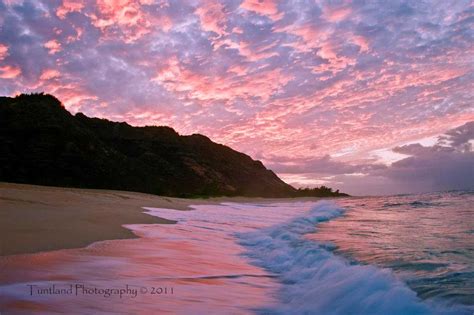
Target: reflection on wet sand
<point x="200" y="268"/>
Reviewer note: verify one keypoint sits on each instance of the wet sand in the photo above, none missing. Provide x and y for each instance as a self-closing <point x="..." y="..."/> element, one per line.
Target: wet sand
<point x="40" y="218"/>
<point x="168" y="269"/>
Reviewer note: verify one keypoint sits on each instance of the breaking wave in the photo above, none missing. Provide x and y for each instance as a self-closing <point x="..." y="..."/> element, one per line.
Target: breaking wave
<point x="316" y="281"/>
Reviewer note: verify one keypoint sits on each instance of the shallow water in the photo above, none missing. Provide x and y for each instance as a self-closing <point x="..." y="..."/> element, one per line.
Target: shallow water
<point x="328" y="257"/>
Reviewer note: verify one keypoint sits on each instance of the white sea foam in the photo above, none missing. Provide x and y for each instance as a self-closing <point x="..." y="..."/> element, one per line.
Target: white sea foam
<point x="315" y="281"/>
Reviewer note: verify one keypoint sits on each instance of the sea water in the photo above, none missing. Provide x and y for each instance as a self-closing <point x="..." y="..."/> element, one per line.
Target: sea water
<point x="409" y="254"/>
<point x="426" y="240"/>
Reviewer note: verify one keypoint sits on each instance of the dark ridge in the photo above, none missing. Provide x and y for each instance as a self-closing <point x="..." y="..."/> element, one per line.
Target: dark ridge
<point x="42" y="143"/>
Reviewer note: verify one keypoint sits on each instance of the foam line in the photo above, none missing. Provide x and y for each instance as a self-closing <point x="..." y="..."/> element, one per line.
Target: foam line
<point x="316" y="281"/>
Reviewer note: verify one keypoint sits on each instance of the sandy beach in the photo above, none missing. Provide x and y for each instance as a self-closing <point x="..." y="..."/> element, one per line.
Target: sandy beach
<point x="94" y="251"/>
<point x="41" y="218"/>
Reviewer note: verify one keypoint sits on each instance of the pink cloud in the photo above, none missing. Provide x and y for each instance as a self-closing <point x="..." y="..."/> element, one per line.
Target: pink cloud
<point x="147" y="2"/>
<point x="226" y="42"/>
<point x="3" y="51"/>
<point x="335" y="62"/>
<point x="362" y="42"/>
<point x="271" y="123"/>
<point x="175" y="77"/>
<point x="126" y="18"/>
<point x="237" y="30"/>
<point x="74" y="100"/>
<point x="212" y="17"/>
<point x="256" y="54"/>
<point x="73" y="95"/>
<point x="9" y="72"/>
<point x="164" y="23"/>
<point x="310" y="36"/>
<point x="238" y="70"/>
<point x="325" y="43"/>
<point x="68" y="6"/>
<point x="392" y="81"/>
<point x="53" y="46"/>
<point x="79" y="33"/>
<point x="263" y="7"/>
<point x="336" y="14"/>
<point x="49" y="74"/>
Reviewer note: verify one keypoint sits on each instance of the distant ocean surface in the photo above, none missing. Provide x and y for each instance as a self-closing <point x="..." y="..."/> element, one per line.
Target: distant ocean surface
<point x="426" y="240"/>
<point x="407" y="254"/>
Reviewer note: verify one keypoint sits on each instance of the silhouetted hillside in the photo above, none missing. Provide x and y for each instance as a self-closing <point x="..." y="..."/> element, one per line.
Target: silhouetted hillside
<point x="322" y="191"/>
<point x="42" y="143"/>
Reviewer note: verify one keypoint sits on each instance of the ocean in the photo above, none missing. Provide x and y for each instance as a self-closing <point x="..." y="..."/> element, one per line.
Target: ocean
<point x="406" y="254"/>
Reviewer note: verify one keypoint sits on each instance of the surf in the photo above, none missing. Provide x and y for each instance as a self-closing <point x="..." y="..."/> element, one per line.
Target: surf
<point x="316" y="281"/>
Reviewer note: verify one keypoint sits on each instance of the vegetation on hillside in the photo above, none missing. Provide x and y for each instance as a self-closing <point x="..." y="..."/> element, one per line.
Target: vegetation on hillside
<point x="322" y="191"/>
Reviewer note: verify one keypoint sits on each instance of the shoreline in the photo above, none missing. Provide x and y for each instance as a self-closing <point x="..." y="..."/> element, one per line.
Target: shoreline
<point x="42" y="218"/>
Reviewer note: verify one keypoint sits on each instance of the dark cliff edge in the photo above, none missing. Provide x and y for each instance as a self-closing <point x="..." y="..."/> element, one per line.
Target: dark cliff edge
<point x="42" y="143"/>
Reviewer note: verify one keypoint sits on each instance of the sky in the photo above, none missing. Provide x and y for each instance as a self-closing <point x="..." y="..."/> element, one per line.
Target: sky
<point x="369" y="97"/>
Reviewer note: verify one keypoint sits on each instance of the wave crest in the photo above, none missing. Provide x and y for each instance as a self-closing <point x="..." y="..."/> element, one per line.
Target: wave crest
<point x="316" y="281"/>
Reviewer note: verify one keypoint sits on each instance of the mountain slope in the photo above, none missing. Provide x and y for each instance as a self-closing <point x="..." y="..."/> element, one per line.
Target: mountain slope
<point x="42" y="143"/>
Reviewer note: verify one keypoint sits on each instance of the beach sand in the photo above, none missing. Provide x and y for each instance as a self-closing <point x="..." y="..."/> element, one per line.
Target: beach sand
<point x="203" y="266"/>
<point x="41" y="218"/>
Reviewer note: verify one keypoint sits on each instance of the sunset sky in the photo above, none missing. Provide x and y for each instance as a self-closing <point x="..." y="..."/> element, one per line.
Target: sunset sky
<point x="369" y="97"/>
